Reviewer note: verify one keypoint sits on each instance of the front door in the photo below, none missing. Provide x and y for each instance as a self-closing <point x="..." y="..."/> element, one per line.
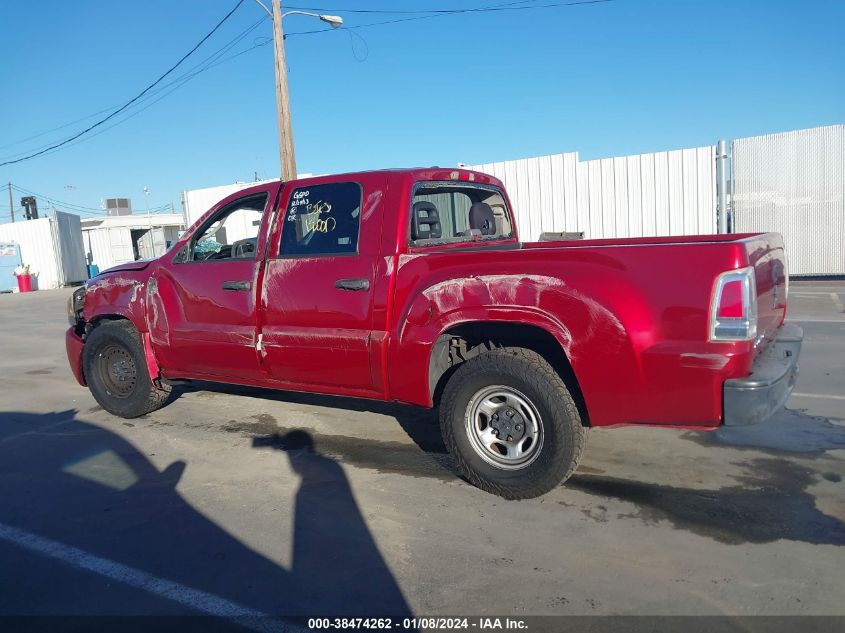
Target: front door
<point x="206" y="295"/>
<point x="317" y="310"/>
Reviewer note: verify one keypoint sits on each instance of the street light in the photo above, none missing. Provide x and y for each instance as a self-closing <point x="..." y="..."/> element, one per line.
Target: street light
<point x="286" y="155"/>
<point x="334" y="20"/>
<point x="147" y="206"/>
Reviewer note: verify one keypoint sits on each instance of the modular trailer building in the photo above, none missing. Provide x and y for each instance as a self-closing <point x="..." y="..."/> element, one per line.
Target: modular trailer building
<point x="51" y="246"/>
<point x="114" y="240"/>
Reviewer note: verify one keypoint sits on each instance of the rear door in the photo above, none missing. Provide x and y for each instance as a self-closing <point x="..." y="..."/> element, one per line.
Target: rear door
<point x="205" y="297"/>
<point x="317" y="302"/>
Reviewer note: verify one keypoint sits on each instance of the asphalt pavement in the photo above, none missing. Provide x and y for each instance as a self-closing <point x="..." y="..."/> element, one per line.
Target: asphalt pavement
<point x="215" y="505"/>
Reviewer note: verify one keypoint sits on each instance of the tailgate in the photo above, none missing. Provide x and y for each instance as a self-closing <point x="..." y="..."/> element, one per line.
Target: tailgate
<point x="766" y="254"/>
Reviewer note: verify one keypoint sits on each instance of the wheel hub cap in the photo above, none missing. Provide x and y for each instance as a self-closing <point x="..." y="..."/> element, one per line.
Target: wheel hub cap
<point x="508" y="424"/>
<point x="504" y="427"/>
<point x="117" y="371"/>
<point x="120" y="370"/>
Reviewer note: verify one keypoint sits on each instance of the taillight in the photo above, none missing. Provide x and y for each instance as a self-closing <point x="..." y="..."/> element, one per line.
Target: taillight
<point x="733" y="307"/>
<point x="731" y="304"/>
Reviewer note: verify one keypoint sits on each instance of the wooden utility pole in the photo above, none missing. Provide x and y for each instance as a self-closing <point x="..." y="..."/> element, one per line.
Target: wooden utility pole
<point x="11" y="204"/>
<point x="286" y="156"/>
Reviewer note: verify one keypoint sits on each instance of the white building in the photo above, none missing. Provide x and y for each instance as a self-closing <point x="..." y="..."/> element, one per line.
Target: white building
<point x="197" y="201"/>
<point x="51" y="246"/>
<point x="114" y="240"/>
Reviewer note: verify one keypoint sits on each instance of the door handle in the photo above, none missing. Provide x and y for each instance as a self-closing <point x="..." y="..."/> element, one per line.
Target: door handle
<point x="241" y="286"/>
<point x="352" y="284"/>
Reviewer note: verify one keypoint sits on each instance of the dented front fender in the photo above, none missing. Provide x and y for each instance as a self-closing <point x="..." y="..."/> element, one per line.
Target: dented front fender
<point x="120" y="294"/>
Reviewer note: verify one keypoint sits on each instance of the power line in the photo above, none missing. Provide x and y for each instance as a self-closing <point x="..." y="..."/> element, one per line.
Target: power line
<point x="426" y="16"/>
<point x="215" y="59"/>
<point x="437" y="13"/>
<point x="82" y="209"/>
<point x="53" y="202"/>
<point x="134" y="99"/>
<point x="208" y="63"/>
<point x="187" y="78"/>
<point x="400" y="11"/>
<point x="192" y="72"/>
<point x="60" y="127"/>
<point x="20" y="189"/>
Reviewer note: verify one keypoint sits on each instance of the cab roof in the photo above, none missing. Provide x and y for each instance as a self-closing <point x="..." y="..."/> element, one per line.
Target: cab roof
<point x="414" y="174"/>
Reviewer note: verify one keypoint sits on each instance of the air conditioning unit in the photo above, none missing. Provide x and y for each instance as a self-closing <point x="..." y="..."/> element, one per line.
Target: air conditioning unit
<point x="118" y="206"/>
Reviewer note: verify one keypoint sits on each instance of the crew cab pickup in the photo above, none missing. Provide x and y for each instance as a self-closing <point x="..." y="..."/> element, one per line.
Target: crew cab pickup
<point x="412" y="286"/>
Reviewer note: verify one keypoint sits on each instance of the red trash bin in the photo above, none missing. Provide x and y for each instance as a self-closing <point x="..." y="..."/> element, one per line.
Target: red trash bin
<point x="25" y="283"/>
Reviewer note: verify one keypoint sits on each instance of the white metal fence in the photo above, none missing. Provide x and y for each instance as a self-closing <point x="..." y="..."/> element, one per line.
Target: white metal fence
<point x="663" y="193"/>
<point x="794" y="183"/>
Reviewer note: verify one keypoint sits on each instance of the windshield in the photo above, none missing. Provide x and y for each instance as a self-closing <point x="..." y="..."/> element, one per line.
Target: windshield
<point x="449" y="212"/>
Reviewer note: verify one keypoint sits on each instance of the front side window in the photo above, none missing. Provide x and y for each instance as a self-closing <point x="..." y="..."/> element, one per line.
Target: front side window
<point x="448" y="212"/>
<point x="233" y="233"/>
<point x="322" y="220"/>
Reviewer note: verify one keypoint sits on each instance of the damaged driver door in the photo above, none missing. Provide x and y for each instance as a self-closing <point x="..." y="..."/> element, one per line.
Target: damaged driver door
<point x="207" y="292"/>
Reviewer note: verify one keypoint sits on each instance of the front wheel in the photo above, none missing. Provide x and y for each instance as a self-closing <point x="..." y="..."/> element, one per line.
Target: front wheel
<point x="116" y="371"/>
<point x="511" y="424"/>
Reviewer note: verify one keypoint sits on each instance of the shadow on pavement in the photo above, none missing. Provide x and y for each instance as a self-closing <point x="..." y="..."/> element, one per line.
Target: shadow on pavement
<point x="78" y="485"/>
<point x="329" y="526"/>
<point x="789" y="431"/>
<point x="419" y="424"/>
<point x="769" y="505"/>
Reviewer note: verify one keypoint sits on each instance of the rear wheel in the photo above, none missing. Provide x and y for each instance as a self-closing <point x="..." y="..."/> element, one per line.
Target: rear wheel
<point x="511" y="424"/>
<point x="116" y="371"/>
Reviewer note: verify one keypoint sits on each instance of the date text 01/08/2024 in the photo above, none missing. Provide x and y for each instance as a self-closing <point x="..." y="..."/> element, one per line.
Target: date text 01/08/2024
<point x="480" y="623"/>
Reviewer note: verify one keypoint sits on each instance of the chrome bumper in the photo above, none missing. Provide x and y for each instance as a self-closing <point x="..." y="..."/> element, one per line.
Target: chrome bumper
<point x="754" y="398"/>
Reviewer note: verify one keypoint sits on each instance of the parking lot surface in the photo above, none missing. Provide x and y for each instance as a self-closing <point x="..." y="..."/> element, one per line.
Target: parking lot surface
<point x="214" y="504"/>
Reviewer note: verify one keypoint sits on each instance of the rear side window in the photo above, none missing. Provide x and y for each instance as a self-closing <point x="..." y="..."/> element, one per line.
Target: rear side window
<point x="322" y="220"/>
<point x="449" y="212"/>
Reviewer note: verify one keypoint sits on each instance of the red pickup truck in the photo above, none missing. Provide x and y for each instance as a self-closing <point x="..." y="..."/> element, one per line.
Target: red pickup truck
<point x="412" y="286"/>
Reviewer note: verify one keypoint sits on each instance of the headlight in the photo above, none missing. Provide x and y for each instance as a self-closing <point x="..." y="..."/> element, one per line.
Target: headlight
<point x="74" y="305"/>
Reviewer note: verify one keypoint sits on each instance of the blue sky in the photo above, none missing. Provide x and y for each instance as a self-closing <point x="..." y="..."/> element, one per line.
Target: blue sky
<point x="610" y="79"/>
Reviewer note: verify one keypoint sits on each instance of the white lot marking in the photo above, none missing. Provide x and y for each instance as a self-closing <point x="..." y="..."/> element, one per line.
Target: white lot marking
<point x="195" y="599"/>
<point x="837" y="302"/>
<point x="812" y="320"/>
<point x="820" y="396"/>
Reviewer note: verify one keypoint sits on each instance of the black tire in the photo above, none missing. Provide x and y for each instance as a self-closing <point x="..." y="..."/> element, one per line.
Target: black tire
<point x="558" y="445"/>
<point x="116" y="371"/>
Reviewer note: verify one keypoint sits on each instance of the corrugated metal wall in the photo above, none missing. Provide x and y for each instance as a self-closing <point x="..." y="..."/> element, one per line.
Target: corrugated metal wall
<point x="543" y="191"/>
<point x="67" y="233"/>
<point x="794" y="183"/>
<point x="51" y="246"/>
<point x="109" y="246"/>
<point x="664" y="193"/>
<point x="35" y="238"/>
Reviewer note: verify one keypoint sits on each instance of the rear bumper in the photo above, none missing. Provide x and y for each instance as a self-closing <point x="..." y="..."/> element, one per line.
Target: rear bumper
<point x="754" y="398"/>
<point x="74" y="346"/>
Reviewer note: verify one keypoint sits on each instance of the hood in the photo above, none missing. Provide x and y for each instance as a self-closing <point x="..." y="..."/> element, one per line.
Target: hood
<point x="141" y="264"/>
